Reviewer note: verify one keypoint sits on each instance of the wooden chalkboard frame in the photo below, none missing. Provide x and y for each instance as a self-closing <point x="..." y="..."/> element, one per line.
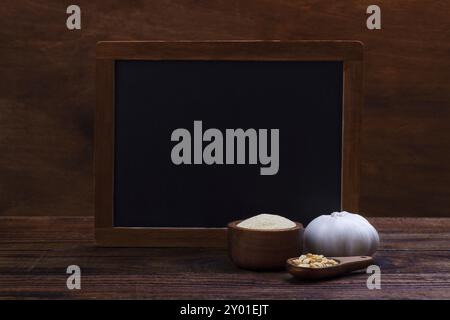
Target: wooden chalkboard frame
<point x="107" y="52"/>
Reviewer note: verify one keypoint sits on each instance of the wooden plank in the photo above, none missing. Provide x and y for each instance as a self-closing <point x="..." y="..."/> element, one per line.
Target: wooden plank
<point x="237" y="50"/>
<point x="411" y="225"/>
<point x="46" y="229"/>
<point x="188" y="286"/>
<point x="161" y="237"/>
<point x="82" y="228"/>
<point x="414" y="265"/>
<point x="352" y="105"/>
<point x="136" y="261"/>
<point x="438" y="241"/>
<point x="39" y="233"/>
<point x="104" y="143"/>
<point x="389" y="241"/>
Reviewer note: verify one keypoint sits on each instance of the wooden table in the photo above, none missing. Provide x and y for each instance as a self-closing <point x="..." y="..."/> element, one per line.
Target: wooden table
<point x="414" y="258"/>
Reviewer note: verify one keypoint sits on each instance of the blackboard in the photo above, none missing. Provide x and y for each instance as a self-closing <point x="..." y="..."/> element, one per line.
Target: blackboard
<point x="303" y="100"/>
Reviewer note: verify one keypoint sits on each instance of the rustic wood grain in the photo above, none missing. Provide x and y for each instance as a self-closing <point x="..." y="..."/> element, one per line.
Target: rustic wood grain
<point x="35" y="252"/>
<point x="234" y="50"/>
<point x="47" y="96"/>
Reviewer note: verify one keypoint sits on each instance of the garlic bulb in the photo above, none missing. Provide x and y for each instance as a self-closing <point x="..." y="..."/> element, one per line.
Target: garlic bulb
<point x="341" y="234"/>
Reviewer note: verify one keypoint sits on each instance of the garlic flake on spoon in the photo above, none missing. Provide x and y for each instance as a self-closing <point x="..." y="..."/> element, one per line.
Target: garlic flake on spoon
<point x="341" y="234"/>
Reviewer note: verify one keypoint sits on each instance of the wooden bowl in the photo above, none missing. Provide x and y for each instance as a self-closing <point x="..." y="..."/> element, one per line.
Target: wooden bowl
<point x="263" y="249"/>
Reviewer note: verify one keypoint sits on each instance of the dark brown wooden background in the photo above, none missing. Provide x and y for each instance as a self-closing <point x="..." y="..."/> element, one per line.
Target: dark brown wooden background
<point x="47" y="90"/>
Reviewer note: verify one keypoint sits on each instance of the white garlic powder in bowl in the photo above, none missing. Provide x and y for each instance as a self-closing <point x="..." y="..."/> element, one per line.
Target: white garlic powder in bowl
<point x="266" y="221"/>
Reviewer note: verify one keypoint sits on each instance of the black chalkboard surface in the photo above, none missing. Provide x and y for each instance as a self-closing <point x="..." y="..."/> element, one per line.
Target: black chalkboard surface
<point x="192" y="135"/>
<point x="153" y="98"/>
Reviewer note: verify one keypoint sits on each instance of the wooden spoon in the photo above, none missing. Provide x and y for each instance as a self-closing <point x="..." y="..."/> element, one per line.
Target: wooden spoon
<point x="345" y="265"/>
